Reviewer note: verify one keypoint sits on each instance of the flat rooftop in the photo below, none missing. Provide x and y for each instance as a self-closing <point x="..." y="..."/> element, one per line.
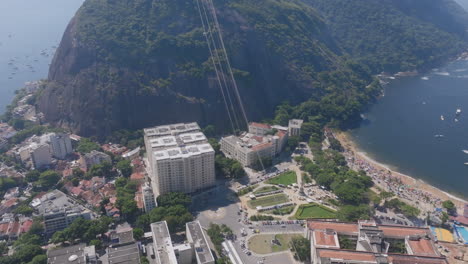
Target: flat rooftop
<point x="124" y="254"/>
<point x="200" y="244"/>
<point x="64" y="255"/>
<point x="183" y="152"/>
<point x="162" y="243"/>
<point x="56" y="201"/>
<point x="173" y="129"/>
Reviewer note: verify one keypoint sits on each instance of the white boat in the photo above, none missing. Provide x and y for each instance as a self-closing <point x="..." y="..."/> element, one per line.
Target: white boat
<point x="465" y="151"/>
<point x="438" y="136"/>
<point x="442" y="118"/>
<point x="466" y="163"/>
<point x="458" y="111"/>
<point x="456" y="120"/>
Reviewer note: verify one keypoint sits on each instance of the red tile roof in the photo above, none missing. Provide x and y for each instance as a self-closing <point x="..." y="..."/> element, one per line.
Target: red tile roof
<point x="339" y="227"/>
<point x="260" y="125"/>
<point x="407" y="259"/>
<point x="422" y="247"/>
<point x="403" y="231"/>
<point x="324" y="239"/>
<point x="346" y="255"/>
<point x="262" y="146"/>
<point x="26" y="226"/>
<point x="137" y="176"/>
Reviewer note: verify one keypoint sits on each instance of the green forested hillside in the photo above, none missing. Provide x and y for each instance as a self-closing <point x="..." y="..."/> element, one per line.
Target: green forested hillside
<point x="395" y="35"/>
<point x="133" y="64"/>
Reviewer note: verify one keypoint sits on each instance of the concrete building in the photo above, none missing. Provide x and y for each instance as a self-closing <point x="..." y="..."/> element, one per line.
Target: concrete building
<point x="259" y="142"/>
<point x="79" y="254"/>
<point x="180" y="159"/>
<point x="58" y="211"/>
<point x="95" y="158"/>
<point x="123" y="248"/>
<point x="294" y="127"/>
<point x="197" y="239"/>
<point x="162" y="244"/>
<point x="60" y="144"/>
<point x="372" y="243"/>
<point x="148" y="198"/>
<point x="35" y="155"/>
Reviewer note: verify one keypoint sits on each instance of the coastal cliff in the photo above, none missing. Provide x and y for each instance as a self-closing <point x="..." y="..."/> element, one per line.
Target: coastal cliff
<point x="133" y="64"/>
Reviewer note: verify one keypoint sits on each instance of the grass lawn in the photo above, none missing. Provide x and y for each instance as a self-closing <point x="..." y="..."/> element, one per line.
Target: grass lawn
<point x="314" y="210"/>
<point x="266" y="189"/>
<point x="262" y="244"/>
<point x="285" y="178"/>
<point x="269" y="200"/>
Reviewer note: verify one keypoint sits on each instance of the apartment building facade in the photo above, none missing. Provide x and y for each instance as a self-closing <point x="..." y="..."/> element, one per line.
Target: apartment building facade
<point x="180" y="159"/>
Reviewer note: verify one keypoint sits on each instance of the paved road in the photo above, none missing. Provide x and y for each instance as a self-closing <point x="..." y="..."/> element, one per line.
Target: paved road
<point x="222" y="207"/>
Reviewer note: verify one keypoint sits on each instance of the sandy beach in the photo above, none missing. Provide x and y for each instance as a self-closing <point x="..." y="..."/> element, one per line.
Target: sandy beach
<point x="415" y="191"/>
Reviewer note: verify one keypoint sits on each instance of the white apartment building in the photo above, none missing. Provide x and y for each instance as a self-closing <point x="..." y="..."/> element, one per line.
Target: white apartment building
<point x="294" y="127"/>
<point x="60" y="144"/>
<point x="180" y="159"/>
<point x="148" y="198"/>
<point x="36" y="155"/>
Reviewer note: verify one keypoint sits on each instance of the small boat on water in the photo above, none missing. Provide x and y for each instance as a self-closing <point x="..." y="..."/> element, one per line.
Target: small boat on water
<point x="458" y="111"/>
<point x="456" y="120"/>
<point x="466" y="163"/>
<point x="438" y="136"/>
<point x="442" y="118"/>
<point x="465" y="151"/>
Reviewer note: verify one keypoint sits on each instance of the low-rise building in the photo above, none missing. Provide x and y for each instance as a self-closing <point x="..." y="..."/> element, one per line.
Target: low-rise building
<point x="123" y="248"/>
<point x="79" y="254"/>
<point x="197" y="239"/>
<point x="162" y="244"/>
<point x="58" y="211"/>
<point x="372" y="243"/>
<point x="95" y="158"/>
<point x="261" y="142"/>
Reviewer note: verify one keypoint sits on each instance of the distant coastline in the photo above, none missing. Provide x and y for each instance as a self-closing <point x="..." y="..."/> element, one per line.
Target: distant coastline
<point x="412" y="182"/>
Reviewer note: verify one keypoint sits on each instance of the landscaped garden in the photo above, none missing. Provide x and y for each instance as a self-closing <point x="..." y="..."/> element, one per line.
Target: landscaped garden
<point x="313" y="210"/>
<point x="269" y="200"/>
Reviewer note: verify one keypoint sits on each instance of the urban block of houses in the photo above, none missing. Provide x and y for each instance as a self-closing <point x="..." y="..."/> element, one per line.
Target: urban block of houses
<point x="371" y="243"/>
<point x="261" y="141"/>
<point x="12" y="227"/>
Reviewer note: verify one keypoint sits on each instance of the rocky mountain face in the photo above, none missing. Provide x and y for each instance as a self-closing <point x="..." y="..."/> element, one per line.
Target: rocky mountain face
<point x="132" y="64"/>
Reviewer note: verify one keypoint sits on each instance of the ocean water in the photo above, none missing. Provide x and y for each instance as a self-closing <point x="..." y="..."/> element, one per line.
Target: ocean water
<point x="403" y="128"/>
<point x="27" y="29"/>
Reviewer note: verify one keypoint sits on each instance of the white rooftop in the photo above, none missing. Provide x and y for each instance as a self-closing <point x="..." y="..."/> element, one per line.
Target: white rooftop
<point x="162" y="242"/>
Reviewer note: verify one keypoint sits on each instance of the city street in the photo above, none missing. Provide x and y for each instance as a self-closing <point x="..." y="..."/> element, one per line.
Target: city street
<point x="222" y="207"/>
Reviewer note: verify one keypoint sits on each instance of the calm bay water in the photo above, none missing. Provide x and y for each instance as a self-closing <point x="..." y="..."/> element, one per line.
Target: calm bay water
<point x="401" y="128"/>
<point x="28" y="28"/>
